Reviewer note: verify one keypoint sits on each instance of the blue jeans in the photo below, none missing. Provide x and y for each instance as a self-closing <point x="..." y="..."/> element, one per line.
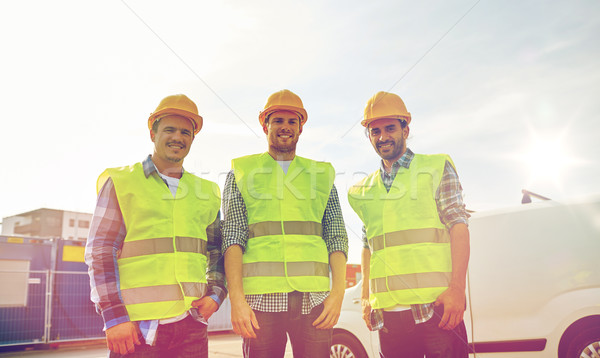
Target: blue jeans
<point x="401" y="337"/>
<point x="271" y="338"/>
<point x="182" y="339"/>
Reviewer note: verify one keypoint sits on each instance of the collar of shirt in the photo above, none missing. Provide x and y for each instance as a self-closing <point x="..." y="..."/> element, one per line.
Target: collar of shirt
<point x="150" y="168"/>
<point x="404" y="161"/>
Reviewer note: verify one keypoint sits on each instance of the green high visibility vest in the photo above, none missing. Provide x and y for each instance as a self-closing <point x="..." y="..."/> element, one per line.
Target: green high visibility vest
<point x="162" y="264"/>
<point x="285" y="250"/>
<point x="411" y="261"/>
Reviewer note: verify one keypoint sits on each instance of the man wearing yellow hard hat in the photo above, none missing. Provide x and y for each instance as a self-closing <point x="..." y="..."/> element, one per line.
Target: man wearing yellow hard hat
<point x="282" y="232"/>
<point x="415" y="239"/>
<point x="153" y="250"/>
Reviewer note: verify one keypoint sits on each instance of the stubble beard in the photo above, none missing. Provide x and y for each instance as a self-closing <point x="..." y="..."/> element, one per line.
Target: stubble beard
<point x="174" y="159"/>
<point x="395" y="152"/>
<point x="284" y="148"/>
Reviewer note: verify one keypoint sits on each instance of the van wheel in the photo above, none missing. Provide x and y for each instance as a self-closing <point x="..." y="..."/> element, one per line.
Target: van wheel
<point x="345" y="345"/>
<point x="585" y="344"/>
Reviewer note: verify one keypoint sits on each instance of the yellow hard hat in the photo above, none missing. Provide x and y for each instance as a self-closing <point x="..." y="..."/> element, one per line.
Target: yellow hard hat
<point x="284" y="100"/>
<point x="385" y="105"/>
<point x="180" y="105"/>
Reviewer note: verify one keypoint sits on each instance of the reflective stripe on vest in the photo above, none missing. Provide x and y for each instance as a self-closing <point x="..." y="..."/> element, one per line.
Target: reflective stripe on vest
<point x="162" y="293"/>
<point x="266" y="228"/>
<point x="410" y="281"/>
<point x="305" y="268"/>
<point x="162" y="245"/>
<point x="162" y="263"/>
<point x="285" y="250"/>
<point x="410" y="247"/>
<point x="407" y="237"/>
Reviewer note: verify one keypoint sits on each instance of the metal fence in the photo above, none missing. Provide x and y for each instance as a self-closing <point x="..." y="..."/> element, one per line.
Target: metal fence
<point x="57" y="308"/>
<point x="26" y="324"/>
<point x="72" y="315"/>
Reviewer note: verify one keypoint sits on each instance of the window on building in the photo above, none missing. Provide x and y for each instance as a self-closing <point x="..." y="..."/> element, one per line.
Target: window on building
<point x="84" y="224"/>
<point x="71" y="222"/>
<point x="52" y="221"/>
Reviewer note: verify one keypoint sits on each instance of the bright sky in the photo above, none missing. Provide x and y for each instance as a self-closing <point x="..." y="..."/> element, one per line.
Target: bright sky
<point x="508" y="88"/>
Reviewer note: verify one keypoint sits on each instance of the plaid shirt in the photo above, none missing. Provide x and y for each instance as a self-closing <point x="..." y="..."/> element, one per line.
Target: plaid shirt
<point x="451" y="211"/>
<point x="235" y="232"/>
<point x="106" y="236"/>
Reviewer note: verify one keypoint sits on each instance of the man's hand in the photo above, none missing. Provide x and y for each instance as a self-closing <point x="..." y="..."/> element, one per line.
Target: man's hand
<point x="206" y="306"/>
<point x="331" y="310"/>
<point x="243" y="319"/>
<point x="454" y="307"/>
<point x="123" y="338"/>
<point x="366" y="312"/>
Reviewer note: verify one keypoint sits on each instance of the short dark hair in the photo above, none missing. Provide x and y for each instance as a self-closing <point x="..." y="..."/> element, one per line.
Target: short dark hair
<point x="155" y="125"/>
<point x="403" y="124"/>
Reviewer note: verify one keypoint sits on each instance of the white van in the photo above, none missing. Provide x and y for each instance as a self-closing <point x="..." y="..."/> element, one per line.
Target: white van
<point x="533" y="288"/>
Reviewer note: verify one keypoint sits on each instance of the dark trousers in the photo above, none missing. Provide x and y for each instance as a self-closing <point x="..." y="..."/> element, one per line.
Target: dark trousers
<point x="183" y="339"/>
<point x="402" y="338"/>
<point x="271" y="338"/>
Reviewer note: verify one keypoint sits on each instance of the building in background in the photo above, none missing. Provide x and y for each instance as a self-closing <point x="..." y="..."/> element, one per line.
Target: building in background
<point x="44" y="222"/>
<point x="353" y="274"/>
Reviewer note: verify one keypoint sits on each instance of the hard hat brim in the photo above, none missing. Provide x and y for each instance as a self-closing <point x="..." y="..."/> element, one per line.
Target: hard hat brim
<point x="194" y="118"/>
<point x="300" y="111"/>
<point x="366" y="122"/>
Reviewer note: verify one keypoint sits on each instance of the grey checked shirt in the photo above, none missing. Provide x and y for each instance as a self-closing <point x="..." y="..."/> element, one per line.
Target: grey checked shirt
<point x="234" y="230"/>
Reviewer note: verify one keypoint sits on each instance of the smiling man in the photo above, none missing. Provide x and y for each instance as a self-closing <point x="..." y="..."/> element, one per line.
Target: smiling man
<point x="282" y="231"/>
<point x="416" y="241"/>
<point x="153" y="250"/>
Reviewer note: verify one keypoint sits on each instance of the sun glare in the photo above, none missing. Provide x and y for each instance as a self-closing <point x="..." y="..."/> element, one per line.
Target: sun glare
<point x="546" y="159"/>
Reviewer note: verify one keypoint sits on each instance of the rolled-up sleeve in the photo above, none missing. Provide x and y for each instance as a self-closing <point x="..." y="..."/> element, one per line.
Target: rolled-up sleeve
<point x="334" y="229"/>
<point x="234" y="227"/>
<point x="451" y="207"/>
